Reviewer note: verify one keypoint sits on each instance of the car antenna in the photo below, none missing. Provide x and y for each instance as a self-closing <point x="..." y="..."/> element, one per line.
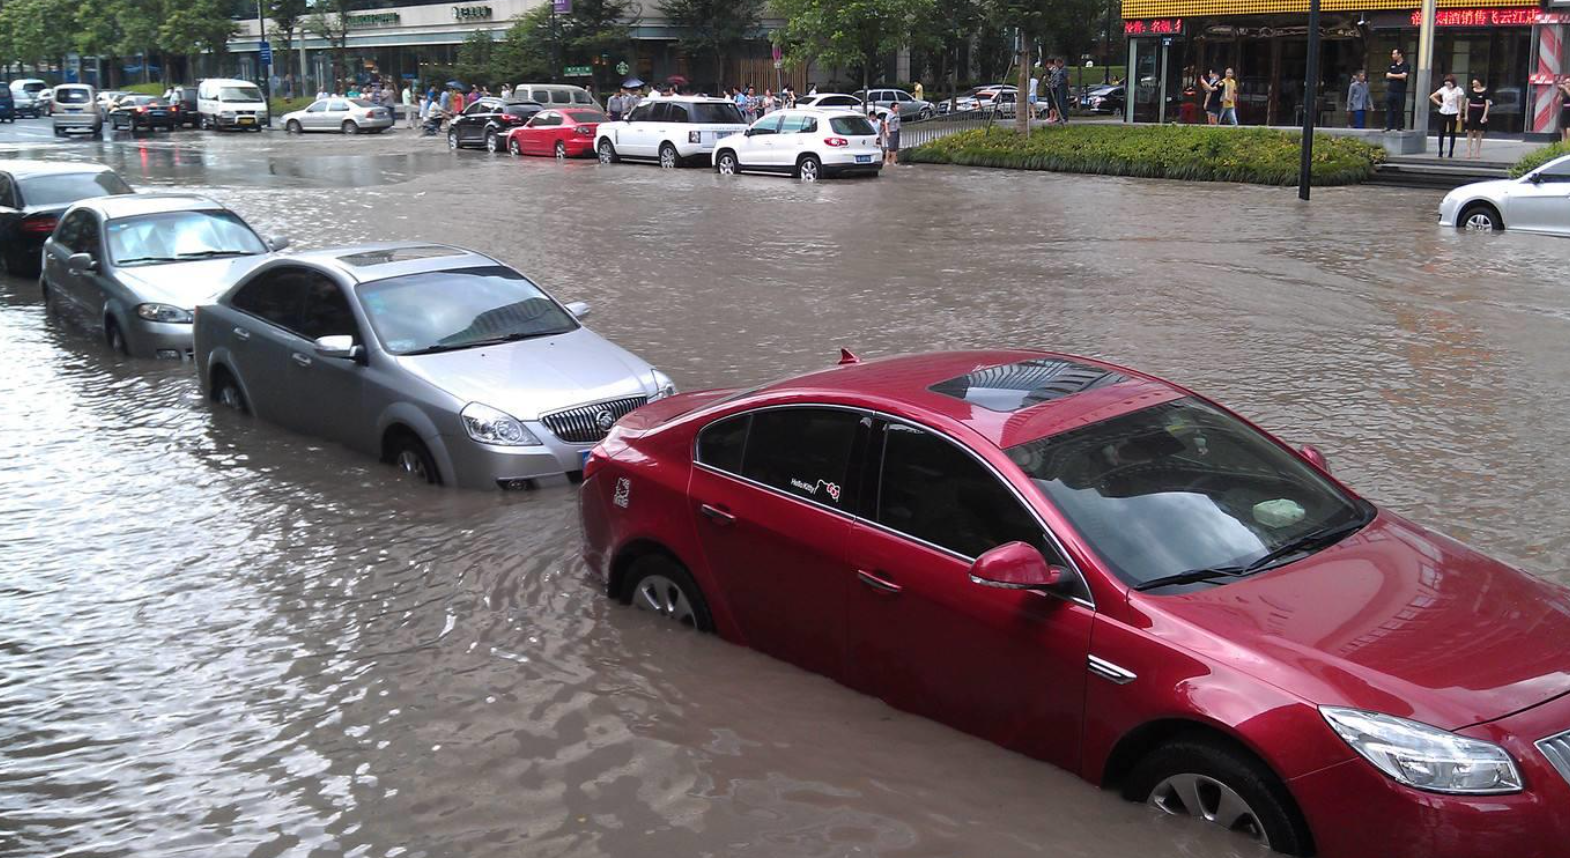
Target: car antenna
<point x="847" y="356"/>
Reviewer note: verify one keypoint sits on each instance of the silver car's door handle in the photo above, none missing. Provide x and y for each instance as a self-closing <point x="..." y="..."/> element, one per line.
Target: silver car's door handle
<point x="241" y="333"/>
<point x="300" y="359"/>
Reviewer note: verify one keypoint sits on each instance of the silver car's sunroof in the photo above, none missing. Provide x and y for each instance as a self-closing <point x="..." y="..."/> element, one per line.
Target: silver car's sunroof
<point x="390" y="255"/>
<point x="1015" y="386"/>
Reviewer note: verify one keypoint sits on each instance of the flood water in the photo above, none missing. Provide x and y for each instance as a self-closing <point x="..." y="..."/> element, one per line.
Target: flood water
<point x="221" y="639"/>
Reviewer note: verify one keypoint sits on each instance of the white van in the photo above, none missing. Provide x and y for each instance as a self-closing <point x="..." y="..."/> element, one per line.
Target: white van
<point x="553" y="94"/>
<point x="228" y="103"/>
<point x="28" y="95"/>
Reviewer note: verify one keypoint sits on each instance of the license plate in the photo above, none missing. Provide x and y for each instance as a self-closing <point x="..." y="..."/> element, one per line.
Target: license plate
<point x="583" y="458"/>
<point x="73" y="110"/>
<point x="246" y="120"/>
<point x="864" y="159"/>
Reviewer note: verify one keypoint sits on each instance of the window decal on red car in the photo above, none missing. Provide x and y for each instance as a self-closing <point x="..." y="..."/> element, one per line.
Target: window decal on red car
<point x="831" y="489"/>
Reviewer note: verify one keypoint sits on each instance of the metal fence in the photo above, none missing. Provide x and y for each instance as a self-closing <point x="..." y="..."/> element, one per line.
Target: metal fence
<point x="914" y="132"/>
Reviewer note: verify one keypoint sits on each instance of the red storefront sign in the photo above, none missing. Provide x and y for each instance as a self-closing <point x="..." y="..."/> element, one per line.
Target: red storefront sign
<point x="1481" y="18"/>
<point x="1154" y="27"/>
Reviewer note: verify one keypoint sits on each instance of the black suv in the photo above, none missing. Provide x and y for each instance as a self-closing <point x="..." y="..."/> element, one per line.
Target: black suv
<point x="487" y="121"/>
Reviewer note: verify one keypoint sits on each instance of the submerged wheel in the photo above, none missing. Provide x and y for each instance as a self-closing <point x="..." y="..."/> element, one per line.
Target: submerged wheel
<point x="810" y="169"/>
<point x="412" y="458"/>
<point x="226" y="392"/>
<point x="293" y="127"/>
<point x="668" y="157"/>
<point x="115" y="338"/>
<point x="1217" y="784"/>
<point x="349" y="127"/>
<point x="726" y="164"/>
<point x="491" y="142"/>
<point x="1480" y="217"/>
<point x="452" y="140"/>
<point x="607" y="152"/>
<point x="513" y="148"/>
<point x="659" y="585"/>
<point x="561" y="150"/>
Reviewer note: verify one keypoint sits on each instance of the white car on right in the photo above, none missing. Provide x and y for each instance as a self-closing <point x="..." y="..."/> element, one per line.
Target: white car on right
<point x="809" y="144"/>
<point x="1537" y="202"/>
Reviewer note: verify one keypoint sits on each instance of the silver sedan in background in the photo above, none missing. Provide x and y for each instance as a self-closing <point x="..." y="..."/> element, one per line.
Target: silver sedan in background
<point x="1537" y="202"/>
<point x="446" y="363"/>
<point x="347" y="115"/>
<point x="135" y="266"/>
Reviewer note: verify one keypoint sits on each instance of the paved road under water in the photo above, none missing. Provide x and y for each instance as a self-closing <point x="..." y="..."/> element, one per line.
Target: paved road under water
<point x="220" y="639"/>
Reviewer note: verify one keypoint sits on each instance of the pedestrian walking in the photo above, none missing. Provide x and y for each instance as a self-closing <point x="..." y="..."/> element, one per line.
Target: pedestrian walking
<point x="1210" y="82"/>
<point x="1358" y="102"/>
<point x="1395" y="91"/>
<point x="1061" y="82"/>
<point x="891" y="135"/>
<point x="1478" y="104"/>
<point x="1564" y="109"/>
<point x="769" y="104"/>
<point x="1030" y="93"/>
<point x="407" y="96"/>
<point x="917" y="93"/>
<point x="1449" y="98"/>
<point x="1229" y="99"/>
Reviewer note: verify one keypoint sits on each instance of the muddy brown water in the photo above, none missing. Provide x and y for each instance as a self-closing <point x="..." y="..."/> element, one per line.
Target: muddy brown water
<point x="218" y="638"/>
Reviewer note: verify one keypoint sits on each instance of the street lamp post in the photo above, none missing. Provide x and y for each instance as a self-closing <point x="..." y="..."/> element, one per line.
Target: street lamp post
<point x="1310" y="102"/>
<point x="1425" y="73"/>
<point x="262" y="63"/>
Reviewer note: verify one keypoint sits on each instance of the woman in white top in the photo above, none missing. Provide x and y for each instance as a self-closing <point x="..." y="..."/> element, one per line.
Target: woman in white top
<point x="1449" y="98"/>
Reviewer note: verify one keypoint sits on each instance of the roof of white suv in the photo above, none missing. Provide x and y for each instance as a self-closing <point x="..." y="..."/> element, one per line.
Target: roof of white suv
<point x="690" y="99"/>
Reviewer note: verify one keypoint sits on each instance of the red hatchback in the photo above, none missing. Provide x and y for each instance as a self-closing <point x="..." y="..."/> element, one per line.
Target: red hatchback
<point x="1114" y="574"/>
<point x="564" y="133"/>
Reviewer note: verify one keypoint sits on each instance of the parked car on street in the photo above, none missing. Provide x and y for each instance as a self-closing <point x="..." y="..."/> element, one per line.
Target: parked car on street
<point x="910" y="107"/>
<point x="971" y="98"/>
<point x="344" y="115"/>
<point x="27" y="94"/>
<point x="75" y="110"/>
<point x="134" y="112"/>
<point x="7" y="105"/>
<point x="1103" y="99"/>
<point x="446" y="363"/>
<point x="487" y="121"/>
<point x="229" y="103"/>
<point x="670" y="131"/>
<point x="33" y="195"/>
<point x="46" y="100"/>
<point x="136" y="266"/>
<point x="830" y="99"/>
<point x="563" y="133"/>
<point x="809" y="144"/>
<point x="1536" y="202"/>
<point x="105" y="100"/>
<point x="1109" y="572"/>
<point x="554" y="95"/>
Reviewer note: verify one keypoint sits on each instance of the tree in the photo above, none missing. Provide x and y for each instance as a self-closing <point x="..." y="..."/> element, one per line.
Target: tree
<point x="1029" y="19"/>
<point x="38" y="30"/>
<point x="329" y="19"/>
<point x="475" y="61"/>
<point x="714" y="28"/>
<point x="945" y="29"/>
<point x="288" y="17"/>
<point x="190" y="27"/>
<point x="98" y="34"/>
<point x="524" y="52"/>
<point x="847" y="32"/>
<point x="595" y="28"/>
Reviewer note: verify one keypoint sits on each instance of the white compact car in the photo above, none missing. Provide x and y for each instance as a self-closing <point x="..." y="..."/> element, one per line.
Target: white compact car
<point x="806" y="143"/>
<point x="669" y="131"/>
<point x="1536" y="202"/>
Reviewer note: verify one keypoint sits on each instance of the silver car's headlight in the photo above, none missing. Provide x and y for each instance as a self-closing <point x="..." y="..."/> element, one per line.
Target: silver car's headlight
<point x="164" y="313"/>
<point x="663" y="386"/>
<point x="489" y="426"/>
<point x="1425" y="757"/>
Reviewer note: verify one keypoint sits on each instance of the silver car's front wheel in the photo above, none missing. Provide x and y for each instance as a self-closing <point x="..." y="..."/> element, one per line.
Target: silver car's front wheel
<point x="1480" y="217"/>
<point x="1209" y="800"/>
<point x="726" y="164"/>
<point x="809" y="169"/>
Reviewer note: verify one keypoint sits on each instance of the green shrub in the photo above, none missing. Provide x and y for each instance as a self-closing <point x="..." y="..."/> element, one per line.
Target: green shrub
<point x="1204" y="154"/>
<point x="145" y="88"/>
<point x="1537" y="158"/>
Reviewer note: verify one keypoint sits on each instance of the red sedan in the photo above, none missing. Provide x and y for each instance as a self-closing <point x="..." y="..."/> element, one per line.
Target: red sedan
<point x="1111" y="573"/>
<point x="565" y="133"/>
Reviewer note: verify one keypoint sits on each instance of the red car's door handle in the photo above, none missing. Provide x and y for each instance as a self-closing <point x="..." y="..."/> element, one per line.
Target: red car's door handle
<point x="882" y="585"/>
<point x="717" y="515"/>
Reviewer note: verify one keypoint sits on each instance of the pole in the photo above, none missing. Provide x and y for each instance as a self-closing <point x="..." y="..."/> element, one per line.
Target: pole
<point x="261" y="65"/>
<point x="1425" y="73"/>
<point x="1310" y="102"/>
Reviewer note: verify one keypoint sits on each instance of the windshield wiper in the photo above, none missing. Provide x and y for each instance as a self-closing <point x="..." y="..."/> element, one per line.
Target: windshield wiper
<point x="137" y="259"/>
<point x="1307" y="541"/>
<point x="488" y="341"/>
<point x="208" y="254"/>
<point x="1192" y="576"/>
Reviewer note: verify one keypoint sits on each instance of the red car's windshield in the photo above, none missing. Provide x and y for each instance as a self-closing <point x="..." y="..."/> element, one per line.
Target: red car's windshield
<point x="1183" y="487"/>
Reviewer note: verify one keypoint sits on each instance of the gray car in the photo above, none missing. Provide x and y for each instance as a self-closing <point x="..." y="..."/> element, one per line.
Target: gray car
<point x="444" y="362"/>
<point x="138" y="265"/>
<point x="910" y="107"/>
<point x="346" y="115"/>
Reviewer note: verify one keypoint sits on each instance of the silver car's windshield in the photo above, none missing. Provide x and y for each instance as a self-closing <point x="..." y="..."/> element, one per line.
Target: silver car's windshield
<point x="445" y="310"/>
<point x="179" y="237"/>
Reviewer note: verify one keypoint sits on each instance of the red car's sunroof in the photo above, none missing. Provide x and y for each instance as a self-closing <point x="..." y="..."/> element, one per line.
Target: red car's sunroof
<point x="1016" y="386"/>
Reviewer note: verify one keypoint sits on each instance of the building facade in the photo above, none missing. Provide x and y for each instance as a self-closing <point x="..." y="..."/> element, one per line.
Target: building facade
<point x="1515" y="47"/>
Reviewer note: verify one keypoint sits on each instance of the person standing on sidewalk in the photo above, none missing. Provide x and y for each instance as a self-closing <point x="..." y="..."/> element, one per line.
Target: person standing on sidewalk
<point x="1229" y="99"/>
<point x="1030" y="94"/>
<point x="1060" y="88"/>
<point x="410" y="115"/>
<point x="1211" y="84"/>
<point x="1449" y="98"/>
<point x="891" y="132"/>
<point x="1477" y="107"/>
<point x="1564" y="109"/>
<point x="1395" y="91"/>
<point x="1357" y="101"/>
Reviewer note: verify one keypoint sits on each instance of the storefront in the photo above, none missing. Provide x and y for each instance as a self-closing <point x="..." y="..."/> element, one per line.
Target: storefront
<point x="1269" y="56"/>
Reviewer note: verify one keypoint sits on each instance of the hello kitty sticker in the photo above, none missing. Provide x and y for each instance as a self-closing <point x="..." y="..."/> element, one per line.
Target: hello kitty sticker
<point x="812" y="489"/>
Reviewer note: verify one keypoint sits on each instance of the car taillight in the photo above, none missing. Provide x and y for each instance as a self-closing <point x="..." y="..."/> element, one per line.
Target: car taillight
<point x="141" y="110"/>
<point x="836" y="141"/>
<point x="583" y="130"/>
<point x="39" y="225"/>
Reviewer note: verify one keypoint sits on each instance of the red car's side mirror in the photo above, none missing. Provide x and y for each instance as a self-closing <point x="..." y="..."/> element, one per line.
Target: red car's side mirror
<point x="1315" y="458"/>
<point x="1015" y="566"/>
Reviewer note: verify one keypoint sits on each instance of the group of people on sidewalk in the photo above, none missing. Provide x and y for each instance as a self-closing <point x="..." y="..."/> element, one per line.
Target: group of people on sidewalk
<point x="1057" y="91"/>
<point x="1459" y="109"/>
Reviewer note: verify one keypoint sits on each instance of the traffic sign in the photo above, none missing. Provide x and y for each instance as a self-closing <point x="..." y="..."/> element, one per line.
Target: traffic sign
<point x="267" y="53"/>
<point x="578" y="71"/>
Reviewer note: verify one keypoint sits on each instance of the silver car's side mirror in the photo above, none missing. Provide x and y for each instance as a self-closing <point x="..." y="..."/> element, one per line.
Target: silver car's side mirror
<point x="340" y="347"/>
<point x="278" y="242"/>
<point x="80" y="262"/>
<point x="578" y="309"/>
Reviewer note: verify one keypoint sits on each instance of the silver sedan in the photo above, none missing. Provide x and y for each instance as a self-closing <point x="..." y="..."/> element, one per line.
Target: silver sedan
<point x="1536" y="202"/>
<point x="347" y="115"/>
<point x="136" y="265"/>
<point x="444" y="362"/>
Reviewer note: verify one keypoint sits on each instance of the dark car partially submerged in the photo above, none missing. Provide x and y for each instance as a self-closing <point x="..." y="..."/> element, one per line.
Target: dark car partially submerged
<point x="33" y="194"/>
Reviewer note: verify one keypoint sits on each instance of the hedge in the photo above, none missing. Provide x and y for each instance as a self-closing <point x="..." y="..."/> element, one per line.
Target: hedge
<point x="1204" y="154"/>
<point x="1537" y="158"/>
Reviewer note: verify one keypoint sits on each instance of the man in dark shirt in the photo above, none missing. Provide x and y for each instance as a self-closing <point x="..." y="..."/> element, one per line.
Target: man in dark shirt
<point x="1395" y="91"/>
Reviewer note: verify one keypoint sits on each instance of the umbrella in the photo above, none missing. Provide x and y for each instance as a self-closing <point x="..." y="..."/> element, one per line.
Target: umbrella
<point x="632" y="83"/>
<point x="452" y="84"/>
<point x="677" y="79"/>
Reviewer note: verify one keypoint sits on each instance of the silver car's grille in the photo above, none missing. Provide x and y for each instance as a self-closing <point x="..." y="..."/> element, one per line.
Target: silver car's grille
<point x="1557" y="750"/>
<point x="587" y="424"/>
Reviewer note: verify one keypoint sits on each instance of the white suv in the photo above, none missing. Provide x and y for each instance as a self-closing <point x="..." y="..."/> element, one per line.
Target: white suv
<point x="670" y="131"/>
<point x="807" y="143"/>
